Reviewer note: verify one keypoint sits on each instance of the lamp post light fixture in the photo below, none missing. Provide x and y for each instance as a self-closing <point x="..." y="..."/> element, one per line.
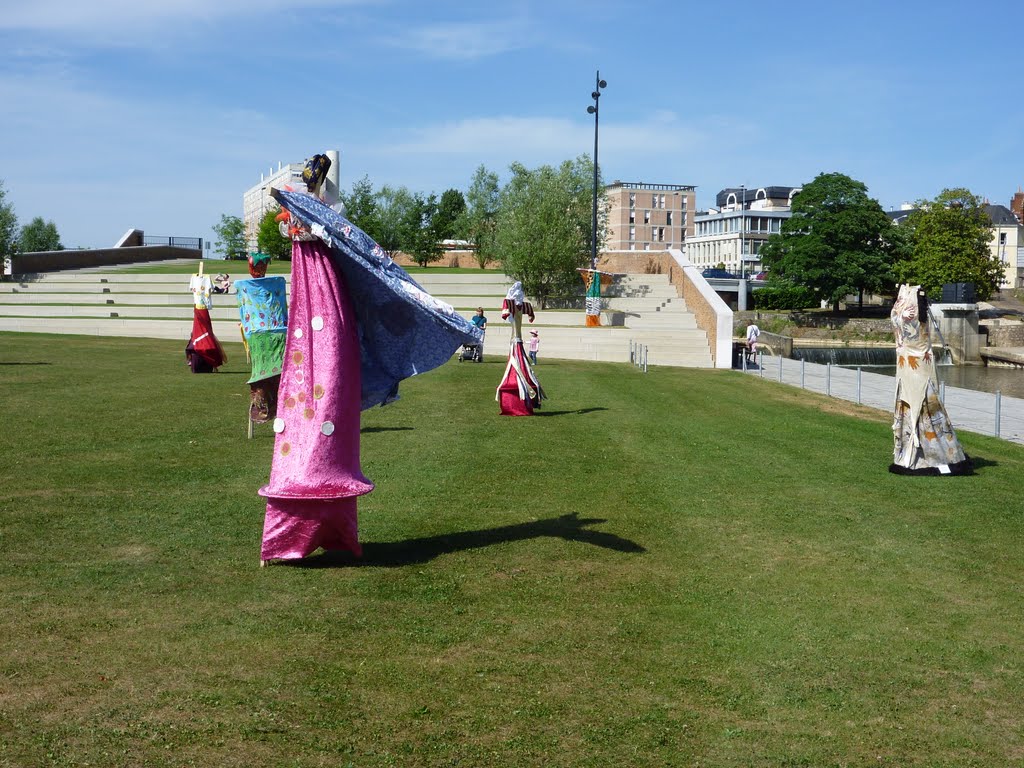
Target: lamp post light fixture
<point x="593" y="110"/>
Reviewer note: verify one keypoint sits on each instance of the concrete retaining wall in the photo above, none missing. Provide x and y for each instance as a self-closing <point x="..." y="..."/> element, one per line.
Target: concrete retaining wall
<point x="52" y="261"/>
<point x="1004" y="335"/>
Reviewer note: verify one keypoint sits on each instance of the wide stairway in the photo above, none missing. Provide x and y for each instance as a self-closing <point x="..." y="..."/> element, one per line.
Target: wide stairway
<point x="112" y="302"/>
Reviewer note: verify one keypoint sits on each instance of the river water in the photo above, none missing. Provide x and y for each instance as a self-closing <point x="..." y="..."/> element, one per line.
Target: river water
<point x="1009" y="381"/>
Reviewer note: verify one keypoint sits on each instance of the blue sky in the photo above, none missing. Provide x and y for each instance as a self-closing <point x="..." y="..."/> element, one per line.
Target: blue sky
<point x="159" y="114"/>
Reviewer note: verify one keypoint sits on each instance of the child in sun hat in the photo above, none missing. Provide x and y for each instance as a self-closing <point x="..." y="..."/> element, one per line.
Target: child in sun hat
<point x="534" y="347"/>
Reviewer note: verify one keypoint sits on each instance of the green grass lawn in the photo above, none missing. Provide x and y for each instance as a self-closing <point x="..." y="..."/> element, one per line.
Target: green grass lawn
<point x="686" y="567"/>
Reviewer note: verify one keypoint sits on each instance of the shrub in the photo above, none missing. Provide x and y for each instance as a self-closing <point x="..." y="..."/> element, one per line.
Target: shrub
<point x="784" y="297"/>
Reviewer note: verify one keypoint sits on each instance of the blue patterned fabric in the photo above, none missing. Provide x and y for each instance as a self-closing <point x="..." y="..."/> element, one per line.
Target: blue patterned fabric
<point x="403" y="330"/>
<point x="262" y="305"/>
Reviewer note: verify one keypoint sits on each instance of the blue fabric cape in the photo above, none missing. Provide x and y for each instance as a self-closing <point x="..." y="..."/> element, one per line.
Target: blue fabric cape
<point x="402" y="329"/>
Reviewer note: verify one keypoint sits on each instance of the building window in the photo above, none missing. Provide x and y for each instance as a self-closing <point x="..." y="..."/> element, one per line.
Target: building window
<point x="654" y="201"/>
<point x="632" y="217"/>
<point x="632" y="234"/>
<point x="661" y="201"/>
<point x="632" y="199"/>
<point x="668" y="217"/>
<point x="647" y="217"/>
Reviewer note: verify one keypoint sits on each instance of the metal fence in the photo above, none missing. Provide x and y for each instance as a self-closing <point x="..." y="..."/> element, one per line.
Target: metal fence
<point x="983" y="412"/>
<point x="192" y="243"/>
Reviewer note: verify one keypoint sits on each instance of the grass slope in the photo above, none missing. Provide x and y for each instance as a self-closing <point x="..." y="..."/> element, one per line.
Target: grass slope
<point x="683" y="568"/>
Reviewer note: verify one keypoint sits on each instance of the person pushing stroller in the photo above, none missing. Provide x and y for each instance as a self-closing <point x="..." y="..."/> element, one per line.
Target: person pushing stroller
<point x="480" y="321"/>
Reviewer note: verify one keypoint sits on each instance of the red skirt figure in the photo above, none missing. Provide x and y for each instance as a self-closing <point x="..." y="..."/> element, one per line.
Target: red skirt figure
<point x="203" y="352"/>
<point x="519" y="392"/>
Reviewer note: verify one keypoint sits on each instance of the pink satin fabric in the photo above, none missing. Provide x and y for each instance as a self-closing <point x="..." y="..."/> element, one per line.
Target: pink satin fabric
<point x="315" y="476"/>
<point x="513" y="392"/>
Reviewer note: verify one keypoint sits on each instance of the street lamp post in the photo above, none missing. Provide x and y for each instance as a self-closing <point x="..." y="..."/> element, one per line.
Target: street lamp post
<point x="743" y="216"/>
<point x="593" y="110"/>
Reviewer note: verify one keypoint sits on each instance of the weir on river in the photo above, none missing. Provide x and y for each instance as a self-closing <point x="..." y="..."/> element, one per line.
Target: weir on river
<point x="860" y="357"/>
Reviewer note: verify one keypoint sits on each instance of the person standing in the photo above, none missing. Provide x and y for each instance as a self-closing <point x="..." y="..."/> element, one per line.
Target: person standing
<point x="480" y="321"/>
<point x="753" y="333"/>
<point x="534" y="346"/>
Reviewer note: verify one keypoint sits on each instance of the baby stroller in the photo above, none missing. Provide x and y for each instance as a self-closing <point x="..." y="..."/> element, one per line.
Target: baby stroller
<point x="472" y="352"/>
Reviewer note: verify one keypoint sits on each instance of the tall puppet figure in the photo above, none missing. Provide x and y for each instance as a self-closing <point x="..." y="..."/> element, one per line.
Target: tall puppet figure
<point x="519" y="392"/>
<point x="594" y="279"/>
<point x="358" y="324"/>
<point x="263" y="311"/>
<point x="203" y="352"/>
<point x="925" y="442"/>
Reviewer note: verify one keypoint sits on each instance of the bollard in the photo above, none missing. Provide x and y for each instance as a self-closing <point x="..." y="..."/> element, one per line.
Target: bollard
<point x="828" y="379"/>
<point x="803" y="369"/>
<point x="645" y="358"/>
<point x="760" y="365"/>
<point x="999" y="403"/>
<point x="858" y="385"/>
<point x="780" y="368"/>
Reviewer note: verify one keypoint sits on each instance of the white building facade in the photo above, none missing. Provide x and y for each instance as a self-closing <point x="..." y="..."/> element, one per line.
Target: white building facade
<point x="257" y="200"/>
<point x="732" y="233"/>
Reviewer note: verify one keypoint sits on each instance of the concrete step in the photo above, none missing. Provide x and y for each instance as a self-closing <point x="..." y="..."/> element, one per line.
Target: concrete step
<point x="182" y="309"/>
<point x="647" y="305"/>
<point x="160" y="306"/>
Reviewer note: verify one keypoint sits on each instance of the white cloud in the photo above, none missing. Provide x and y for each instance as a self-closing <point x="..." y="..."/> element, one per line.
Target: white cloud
<point x="464" y="40"/>
<point x="116" y="15"/>
<point x="97" y="164"/>
<point x="541" y="139"/>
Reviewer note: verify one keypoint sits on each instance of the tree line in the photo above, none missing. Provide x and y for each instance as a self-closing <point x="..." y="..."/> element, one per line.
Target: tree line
<point x="839" y="242"/>
<point x="537" y="226"/>
<point x="37" y="235"/>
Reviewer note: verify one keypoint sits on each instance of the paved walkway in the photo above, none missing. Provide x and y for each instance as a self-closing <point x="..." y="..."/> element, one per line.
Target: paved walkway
<point x="967" y="409"/>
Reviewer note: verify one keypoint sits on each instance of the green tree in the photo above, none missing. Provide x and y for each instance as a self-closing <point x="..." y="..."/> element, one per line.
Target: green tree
<point x="361" y="205"/>
<point x="231" y="234"/>
<point x="419" y="236"/>
<point x="449" y="210"/>
<point x="269" y="238"/>
<point x="837" y="242"/>
<point x="950" y="238"/>
<point x="39" y="235"/>
<point x="478" y="220"/>
<point x="542" y="233"/>
<point x="8" y="226"/>
<point x="392" y="206"/>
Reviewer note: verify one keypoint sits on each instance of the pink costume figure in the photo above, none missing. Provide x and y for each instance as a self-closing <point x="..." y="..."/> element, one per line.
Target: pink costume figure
<point x="520" y="391"/>
<point x="315" y="476"/>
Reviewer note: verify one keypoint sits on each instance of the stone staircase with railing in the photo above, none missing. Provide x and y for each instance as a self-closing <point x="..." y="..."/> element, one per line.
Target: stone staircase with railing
<point x="640" y="309"/>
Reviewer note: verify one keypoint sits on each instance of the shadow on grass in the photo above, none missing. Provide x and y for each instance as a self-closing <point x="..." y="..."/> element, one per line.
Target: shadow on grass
<point x="578" y="412"/>
<point x="980" y="461"/>
<point x="394" y="554"/>
<point x="366" y="430"/>
<point x="39" y="363"/>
